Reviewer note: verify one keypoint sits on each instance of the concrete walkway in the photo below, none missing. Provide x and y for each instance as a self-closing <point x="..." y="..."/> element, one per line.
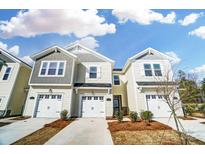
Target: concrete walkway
<point x="17" y="130"/>
<point x="84" y="131"/>
<point x="192" y="127"/>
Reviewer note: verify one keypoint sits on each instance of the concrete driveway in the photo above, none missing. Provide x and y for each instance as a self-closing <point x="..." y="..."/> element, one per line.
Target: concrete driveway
<point x="84" y="131"/>
<point x="17" y="130"/>
<point x="192" y="127"/>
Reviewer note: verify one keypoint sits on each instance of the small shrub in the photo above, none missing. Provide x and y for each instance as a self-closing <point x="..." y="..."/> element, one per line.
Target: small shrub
<point x="134" y="116"/>
<point x="119" y="115"/>
<point x="64" y="114"/>
<point x="202" y="107"/>
<point x="189" y="109"/>
<point x="146" y="115"/>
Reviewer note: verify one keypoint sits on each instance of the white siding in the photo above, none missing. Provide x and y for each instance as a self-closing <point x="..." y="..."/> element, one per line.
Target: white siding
<point x="33" y="92"/>
<point x="6" y="87"/>
<point x="131" y="89"/>
<point x="139" y="70"/>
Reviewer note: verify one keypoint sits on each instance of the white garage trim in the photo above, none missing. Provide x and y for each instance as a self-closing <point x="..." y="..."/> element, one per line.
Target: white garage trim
<point x="100" y="114"/>
<point x="157" y="105"/>
<point x="50" y="98"/>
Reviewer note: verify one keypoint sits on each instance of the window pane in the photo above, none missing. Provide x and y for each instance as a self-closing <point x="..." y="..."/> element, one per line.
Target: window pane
<point x="148" y="72"/>
<point x="60" y="72"/>
<point x="147" y="96"/>
<point x="116" y="80"/>
<point x="61" y="65"/>
<point x="158" y="73"/>
<point x="8" y="70"/>
<point x="6" y="76"/>
<point x="93" y="69"/>
<point x="153" y="96"/>
<point x="44" y="64"/>
<point x="51" y="71"/>
<point x="43" y="71"/>
<point x="147" y="66"/>
<point x="156" y="66"/>
<point x="53" y="65"/>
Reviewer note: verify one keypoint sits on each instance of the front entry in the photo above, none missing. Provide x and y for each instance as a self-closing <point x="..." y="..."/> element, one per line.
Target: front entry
<point x="93" y="106"/>
<point x="116" y="104"/>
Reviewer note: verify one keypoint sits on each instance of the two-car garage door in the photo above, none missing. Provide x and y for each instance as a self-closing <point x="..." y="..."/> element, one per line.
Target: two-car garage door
<point x="93" y="106"/>
<point x="158" y="106"/>
<point x="49" y="105"/>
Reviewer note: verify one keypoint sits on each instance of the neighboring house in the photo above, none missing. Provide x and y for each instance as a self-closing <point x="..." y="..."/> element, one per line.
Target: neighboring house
<point x="145" y="73"/>
<point x="85" y="83"/>
<point x="76" y="79"/>
<point x="14" y="76"/>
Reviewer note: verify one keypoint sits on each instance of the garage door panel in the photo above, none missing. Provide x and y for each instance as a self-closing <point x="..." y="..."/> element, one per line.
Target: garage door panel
<point x="158" y="106"/>
<point x="49" y="106"/>
<point x="93" y="106"/>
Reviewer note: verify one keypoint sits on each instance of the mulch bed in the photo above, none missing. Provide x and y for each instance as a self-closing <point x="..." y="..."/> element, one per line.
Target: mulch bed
<point x="21" y="118"/>
<point x="139" y="133"/>
<point x="136" y="126"/>
<point x="186" y="118"/>
<point x="4" y="124"/>
<point x="42" y="135"/>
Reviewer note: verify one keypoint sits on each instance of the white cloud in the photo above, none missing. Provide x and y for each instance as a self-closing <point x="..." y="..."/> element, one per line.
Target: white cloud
<point x="199" y="71"/>
<point x="89" y="42"/>
<point x="81" y="23"/>
<point x="13" y="50"/>
<point x="143" y="16"/>
<point x="190" y="19"/>
<point x="27" y="59"/>
<point x="199" y="32"/>
<point x="172" y="54"/>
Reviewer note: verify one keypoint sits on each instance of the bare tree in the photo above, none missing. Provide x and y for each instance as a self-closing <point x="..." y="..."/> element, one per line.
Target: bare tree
<point x="168" y="87"/>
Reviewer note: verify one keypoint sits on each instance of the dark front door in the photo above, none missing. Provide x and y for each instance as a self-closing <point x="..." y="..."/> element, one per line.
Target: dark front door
<point x="116" y="103"/>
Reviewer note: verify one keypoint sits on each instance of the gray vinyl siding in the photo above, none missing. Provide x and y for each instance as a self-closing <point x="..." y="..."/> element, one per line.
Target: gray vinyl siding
<point x="84" y="57"/>
<point x="5" y="58"/>
<point x="35" y="79"/>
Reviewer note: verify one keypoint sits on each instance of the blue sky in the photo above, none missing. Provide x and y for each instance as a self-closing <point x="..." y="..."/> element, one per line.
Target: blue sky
<point x="129" y="37"/>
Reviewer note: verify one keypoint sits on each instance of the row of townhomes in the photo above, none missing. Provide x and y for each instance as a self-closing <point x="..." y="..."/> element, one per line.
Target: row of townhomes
<point x="83" y="82"/>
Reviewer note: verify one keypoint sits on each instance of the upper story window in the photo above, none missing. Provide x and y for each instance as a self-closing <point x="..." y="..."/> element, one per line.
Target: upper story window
<point x="148" y="69"/>
<point x="116" y="80"/>
<point x="157" y="70"/>
<point x="7" y="73"/>
<point x="52" y="68"/>
<point x="93" y="72"/>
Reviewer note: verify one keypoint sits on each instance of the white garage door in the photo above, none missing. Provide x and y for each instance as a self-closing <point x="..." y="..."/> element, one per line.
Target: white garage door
<point x="49" y="105"/>
<point x="158" y="106"/>
<point x="93" y="106"/>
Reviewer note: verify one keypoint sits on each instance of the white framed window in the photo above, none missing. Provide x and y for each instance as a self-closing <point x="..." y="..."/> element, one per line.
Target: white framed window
<point x="116" y="79"/>
<point x="148" y="69"/>
<point x="52" y="69"/>
<point x="93" y="72"/>
<point x="7" y="73"/>
<point x="157" y="70"/>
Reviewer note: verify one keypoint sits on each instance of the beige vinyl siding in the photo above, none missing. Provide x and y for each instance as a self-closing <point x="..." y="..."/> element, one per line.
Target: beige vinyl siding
<point x="19" y="94"/>
<point x="120" y="90"/>
<point x="131" y="89"/>
<point x="82" y="75"/>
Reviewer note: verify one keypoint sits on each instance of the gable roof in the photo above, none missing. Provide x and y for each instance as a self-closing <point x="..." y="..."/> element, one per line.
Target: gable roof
<point x="77" y="44"/>
<point x="146" y="51"/>
<point x="51" y="49"/>
<point x="14" y="58"/>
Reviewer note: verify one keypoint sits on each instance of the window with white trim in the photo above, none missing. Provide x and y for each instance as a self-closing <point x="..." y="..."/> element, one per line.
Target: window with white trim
<point x="52" y="68"/>
<point x="93" y="72"/>
<point x="148" y="69"/>
<point x="157" y="70"/>
<point x="7" y="73"/>
<point x="116" y="80"/>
